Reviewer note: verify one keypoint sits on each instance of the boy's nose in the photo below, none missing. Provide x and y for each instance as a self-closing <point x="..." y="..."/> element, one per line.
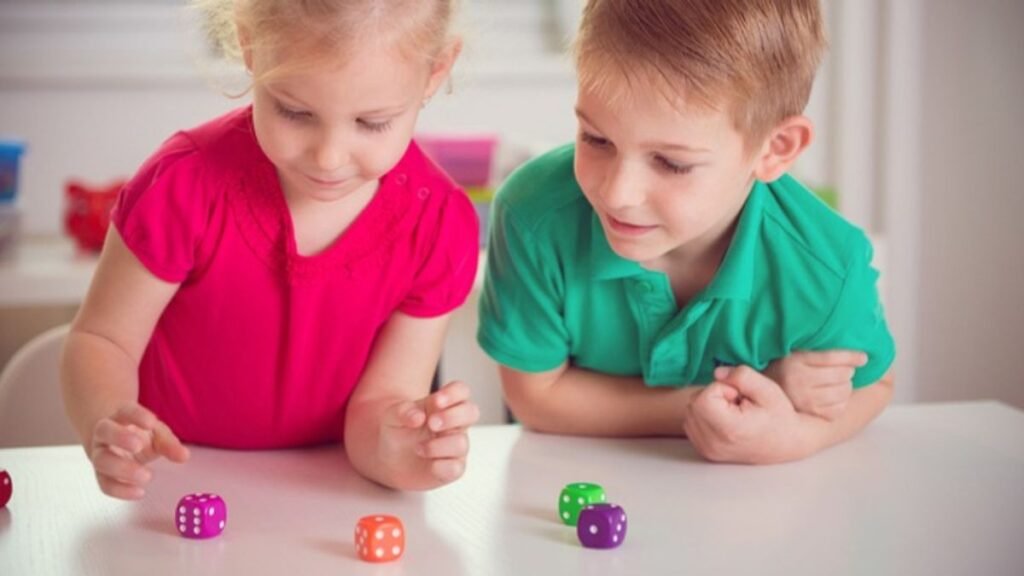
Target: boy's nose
<point x="621" y="188"/>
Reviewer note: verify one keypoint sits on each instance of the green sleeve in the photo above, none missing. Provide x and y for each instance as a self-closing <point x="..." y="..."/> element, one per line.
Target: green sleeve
<point x="521" y="323"/>
<point x="857" y="321"/>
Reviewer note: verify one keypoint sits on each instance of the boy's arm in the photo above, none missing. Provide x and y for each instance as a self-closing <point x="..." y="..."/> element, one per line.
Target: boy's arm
<point x="569" y="400"/>
<point x="744" y="417"/>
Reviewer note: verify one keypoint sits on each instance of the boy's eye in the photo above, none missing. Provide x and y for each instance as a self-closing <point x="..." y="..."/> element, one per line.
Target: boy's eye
<point x="375" y="126"/>
<point x="595" y="141"/>
<point x="289" y="114"/>
<point x="671" y="166"/>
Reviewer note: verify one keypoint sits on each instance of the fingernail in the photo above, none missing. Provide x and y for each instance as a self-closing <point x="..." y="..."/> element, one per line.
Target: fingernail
<point x="722" y="372"/>
<point x="141" y="476"/>
<point x="441" y="401"/>
<point x="435" y="423"/>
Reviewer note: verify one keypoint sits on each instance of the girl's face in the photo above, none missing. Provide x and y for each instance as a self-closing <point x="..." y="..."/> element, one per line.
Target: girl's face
<point x="335" y="131"/>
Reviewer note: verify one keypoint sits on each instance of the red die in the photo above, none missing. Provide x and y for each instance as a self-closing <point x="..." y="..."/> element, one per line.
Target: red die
<point x="380" y="538"/>
<point x="6" y="487"/>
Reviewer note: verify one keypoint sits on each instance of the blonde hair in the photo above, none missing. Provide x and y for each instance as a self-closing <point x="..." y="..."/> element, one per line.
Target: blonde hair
<point x="314" y="32"/>
<point x="755" y="59"/>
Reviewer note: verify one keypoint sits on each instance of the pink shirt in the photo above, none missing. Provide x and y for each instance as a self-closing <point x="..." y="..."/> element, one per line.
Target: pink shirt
<point x="261" y="347"/>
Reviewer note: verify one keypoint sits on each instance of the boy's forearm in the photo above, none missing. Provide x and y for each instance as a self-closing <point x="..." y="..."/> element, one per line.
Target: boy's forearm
<point x="864" y="406"/>
<point x="97" y="378"/>
<point x="586" y="403"/>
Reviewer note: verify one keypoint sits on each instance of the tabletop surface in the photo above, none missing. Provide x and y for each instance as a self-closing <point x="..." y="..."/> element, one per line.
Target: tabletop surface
<point x="926" y="489"/>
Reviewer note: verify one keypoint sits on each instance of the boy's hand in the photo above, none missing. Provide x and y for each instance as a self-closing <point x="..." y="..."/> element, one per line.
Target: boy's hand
<point x="746" y="418"/>
<point x="818" y="383"/>
<point x="425" y="441"/>
<point x="124" y="443"/>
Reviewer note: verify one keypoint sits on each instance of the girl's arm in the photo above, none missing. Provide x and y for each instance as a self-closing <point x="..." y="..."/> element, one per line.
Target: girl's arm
<point x="570" y="400"/>
<point x="396" y="432"/>
<point x="99" y="370"/>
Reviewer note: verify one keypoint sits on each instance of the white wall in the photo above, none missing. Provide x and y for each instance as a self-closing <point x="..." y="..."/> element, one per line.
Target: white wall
<point x="971" y="308"/>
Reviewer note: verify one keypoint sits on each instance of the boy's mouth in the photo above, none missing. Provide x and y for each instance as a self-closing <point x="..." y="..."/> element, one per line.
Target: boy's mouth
<point x="626" y="228"/>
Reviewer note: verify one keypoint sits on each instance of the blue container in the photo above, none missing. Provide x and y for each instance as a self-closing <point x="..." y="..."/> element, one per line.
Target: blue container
<point x="10" y="155"/>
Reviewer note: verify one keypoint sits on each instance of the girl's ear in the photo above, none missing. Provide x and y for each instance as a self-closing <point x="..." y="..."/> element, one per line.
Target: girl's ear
<point x="441" y="67"/>
<point x="246" y="46"/>
<point x="783" y="146"/>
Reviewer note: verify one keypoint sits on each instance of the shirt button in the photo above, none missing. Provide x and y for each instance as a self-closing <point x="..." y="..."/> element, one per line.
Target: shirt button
<point x="401" y="179"/>
<point x="644" y="287"/>
<point x="423" y="193"/>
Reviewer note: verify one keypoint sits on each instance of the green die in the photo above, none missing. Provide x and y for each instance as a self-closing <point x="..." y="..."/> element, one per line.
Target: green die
<point x="575" y="497"/>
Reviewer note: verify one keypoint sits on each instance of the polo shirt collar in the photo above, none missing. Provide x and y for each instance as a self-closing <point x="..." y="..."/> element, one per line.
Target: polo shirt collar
<point x="735" y="277"/>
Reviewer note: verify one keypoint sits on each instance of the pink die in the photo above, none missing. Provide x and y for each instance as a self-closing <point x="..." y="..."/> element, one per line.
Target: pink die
<point x="201" y="515"/>
<point x="6" y="487"/>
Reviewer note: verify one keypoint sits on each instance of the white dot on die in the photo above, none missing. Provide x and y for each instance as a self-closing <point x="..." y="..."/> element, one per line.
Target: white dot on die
<point x="181" y="510"/>
<point x="565" y="515"/>
<point x="7" y="481"/>
<point x="602" y="497"/>
<point x="195" y="521"/>
<point x="181" y="528"/>
<point x="582" y="485"/>
<point x="593" y="529"/>
<point x="379" y="518"/>
<point x="615" y="538"/>
<point x="195" y="512"/>
<point x="396" y="533"/>
<point x="221" y="524"/>
<point x="565" y="498"/>
<point x="379" y="534"/>
<point x="618" y="527"/>
<point x="580" y="501"/>
<point x="196" y="530"/>
<point x="181" y="519"/>
<point x="364" y="550"/>
<point x="623" y="517"/>
<point x="396" y="551"/>
<point x="379" y="552"/>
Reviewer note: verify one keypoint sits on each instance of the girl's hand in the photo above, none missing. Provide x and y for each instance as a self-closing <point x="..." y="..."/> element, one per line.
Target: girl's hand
<point x="427" y="440"/>
<point x="818" y="383"/>
<point x="123" y="444"/>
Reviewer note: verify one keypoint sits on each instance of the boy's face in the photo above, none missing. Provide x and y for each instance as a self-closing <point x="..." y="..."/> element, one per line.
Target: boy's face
<point x="666" y="180"/>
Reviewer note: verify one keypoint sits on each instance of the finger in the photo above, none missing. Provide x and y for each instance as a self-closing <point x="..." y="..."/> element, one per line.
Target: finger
<point x="751" y="384"/>
<point x="116" y="489"/>
<point x="714" y="408"/>
<point x="447" y="469"/>
<point x="124" y="470"/>
<point x="461" y="415"/>
<point x="449" y="446"/>
<point x="137" y="415"/>
<point x="450" y="394"/>
<point x="167" y="444"/>
<point x="833" y="376"/>
<point x="834" y="394"/>
<point x="404" y="415"/>
<point x="827" y="358"/>
<point x="831" y="412"/>
<point x="109" y="433"/>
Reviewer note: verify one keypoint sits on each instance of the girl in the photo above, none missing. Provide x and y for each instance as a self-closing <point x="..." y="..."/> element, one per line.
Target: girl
<point x="283" y="275"/>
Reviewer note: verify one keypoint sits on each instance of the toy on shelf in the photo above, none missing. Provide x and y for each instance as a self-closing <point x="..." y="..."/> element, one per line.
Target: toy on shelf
<point x="87" y="212"/>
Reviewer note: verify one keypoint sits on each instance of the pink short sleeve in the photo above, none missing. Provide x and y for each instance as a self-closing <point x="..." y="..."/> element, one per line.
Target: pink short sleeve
<point x="446" y="277"/>
<point x="161" y="212"/>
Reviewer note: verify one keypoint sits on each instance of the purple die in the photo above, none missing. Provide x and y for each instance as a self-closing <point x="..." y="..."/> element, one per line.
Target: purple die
<point x="601" y="526"/>
<point x="201" y="515"/>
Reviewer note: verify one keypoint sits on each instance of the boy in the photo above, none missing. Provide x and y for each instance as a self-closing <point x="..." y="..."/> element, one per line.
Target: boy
<point x="664" y="275"/>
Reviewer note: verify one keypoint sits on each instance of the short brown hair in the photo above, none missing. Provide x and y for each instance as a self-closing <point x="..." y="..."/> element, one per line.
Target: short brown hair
<point x="755" y="59"/>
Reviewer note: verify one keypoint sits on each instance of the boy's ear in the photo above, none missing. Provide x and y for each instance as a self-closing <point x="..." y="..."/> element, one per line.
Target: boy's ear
<point x="782" y="147"/>
<point x="441" y="67"/>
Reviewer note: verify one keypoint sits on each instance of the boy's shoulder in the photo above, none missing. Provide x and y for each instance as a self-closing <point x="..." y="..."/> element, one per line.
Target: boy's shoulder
<point x="544" y="191"/>
<point x="796" y="219"/>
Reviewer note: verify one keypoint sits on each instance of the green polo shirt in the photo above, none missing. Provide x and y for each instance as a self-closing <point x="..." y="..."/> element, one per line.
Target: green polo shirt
<point x="797" y="276"/>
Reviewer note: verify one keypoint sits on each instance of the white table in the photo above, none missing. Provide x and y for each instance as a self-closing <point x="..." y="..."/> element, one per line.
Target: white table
<point x="927" y="489"/>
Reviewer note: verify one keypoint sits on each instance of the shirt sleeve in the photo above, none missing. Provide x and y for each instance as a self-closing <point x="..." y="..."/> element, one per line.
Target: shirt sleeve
<point x="857" y="321"/>
<point x="521" y="310"/>
<point x="446" y="277"/>
<point x="160" y="212"/>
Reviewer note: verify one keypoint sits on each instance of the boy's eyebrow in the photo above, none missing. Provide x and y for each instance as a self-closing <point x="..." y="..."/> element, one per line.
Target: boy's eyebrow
<point x="652" y="145"/>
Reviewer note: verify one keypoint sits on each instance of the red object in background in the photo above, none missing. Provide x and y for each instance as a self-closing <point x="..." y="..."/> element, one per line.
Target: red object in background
<point x="87" y="212"/>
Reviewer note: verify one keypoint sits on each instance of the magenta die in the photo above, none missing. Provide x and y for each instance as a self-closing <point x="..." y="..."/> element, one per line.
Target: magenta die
<point x="201" y="515"/>
<point x="601" y="526"/>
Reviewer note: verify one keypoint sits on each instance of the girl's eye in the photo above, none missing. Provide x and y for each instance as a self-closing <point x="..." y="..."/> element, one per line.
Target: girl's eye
<point x="595" y="141"/>
<point x="672" y="167"/>
<point x="375" y="126"/>
<point x="289" y="114"/>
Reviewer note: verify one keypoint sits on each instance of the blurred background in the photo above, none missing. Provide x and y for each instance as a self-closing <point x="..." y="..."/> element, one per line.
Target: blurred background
<point x="918" y="109"/>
